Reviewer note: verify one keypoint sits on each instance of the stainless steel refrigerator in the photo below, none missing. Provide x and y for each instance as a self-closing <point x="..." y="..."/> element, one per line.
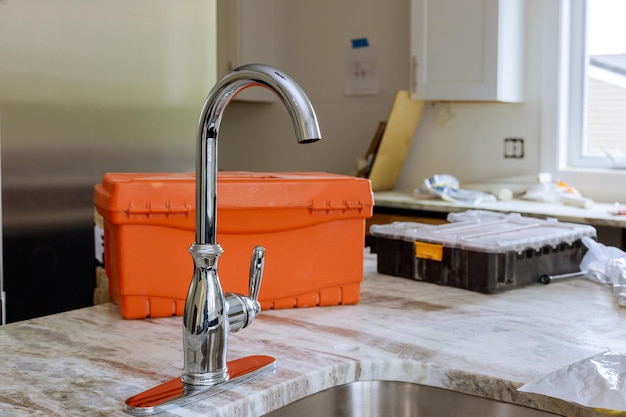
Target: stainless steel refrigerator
<point x="88" y="87"/>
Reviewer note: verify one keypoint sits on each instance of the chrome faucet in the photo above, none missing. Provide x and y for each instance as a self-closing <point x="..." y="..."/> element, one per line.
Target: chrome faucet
<point x="210" y="314"/>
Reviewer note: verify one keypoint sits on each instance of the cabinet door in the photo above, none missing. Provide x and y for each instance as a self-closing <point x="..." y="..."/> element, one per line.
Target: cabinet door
<point x="245" y="35"/>
<point x="467" y="50"/>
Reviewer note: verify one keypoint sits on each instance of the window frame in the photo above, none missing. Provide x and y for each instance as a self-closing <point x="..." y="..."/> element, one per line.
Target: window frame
<point x="600" y="184"/>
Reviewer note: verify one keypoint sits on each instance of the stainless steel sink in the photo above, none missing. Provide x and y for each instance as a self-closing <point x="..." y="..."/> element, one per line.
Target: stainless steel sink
<point x="399" y="399"/>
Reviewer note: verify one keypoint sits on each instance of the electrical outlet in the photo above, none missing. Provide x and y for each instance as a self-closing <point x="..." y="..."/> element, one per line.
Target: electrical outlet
<point x="514" y="148"/>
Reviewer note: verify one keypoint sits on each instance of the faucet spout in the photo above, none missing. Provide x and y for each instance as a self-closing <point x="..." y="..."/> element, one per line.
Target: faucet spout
<point x="293" y="97"/>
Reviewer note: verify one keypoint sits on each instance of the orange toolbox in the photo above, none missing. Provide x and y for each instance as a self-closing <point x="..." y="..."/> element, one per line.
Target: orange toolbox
<point x="312" y="226"/>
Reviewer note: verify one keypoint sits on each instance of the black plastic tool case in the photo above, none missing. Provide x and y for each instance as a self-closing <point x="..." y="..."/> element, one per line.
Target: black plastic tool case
<point x="479" y="250"/>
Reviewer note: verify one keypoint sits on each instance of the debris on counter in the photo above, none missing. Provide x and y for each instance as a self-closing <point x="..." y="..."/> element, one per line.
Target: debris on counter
<point x="549" y="191"/>
<point x="448" y="188"/>
<point x="618" y="209"/>
<point x="503" y="193"/>
<point x="576" y="201"/>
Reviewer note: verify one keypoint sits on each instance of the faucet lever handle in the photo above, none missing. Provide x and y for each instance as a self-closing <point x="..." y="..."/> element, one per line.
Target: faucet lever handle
<point x="256" y="272"/>
<point x="243" y="309"/>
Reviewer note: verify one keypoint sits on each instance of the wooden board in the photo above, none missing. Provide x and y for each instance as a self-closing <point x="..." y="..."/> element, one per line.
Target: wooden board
<point x="394" y="145"/>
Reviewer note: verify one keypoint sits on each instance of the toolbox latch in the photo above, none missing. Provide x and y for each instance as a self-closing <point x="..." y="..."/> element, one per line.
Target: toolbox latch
<point x="327" y="206"/>
<point x="425" y="250"/>
<point x="151" y="210"/>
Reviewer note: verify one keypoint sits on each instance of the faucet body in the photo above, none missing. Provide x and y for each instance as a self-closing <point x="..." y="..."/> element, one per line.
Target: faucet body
<point x="206" y="321"/>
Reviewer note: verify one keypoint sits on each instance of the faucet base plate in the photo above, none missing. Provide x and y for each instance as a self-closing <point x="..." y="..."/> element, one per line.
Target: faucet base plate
<point x="174" y="393"/>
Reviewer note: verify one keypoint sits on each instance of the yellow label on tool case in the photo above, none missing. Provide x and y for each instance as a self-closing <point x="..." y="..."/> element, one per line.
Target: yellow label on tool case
<point x="428" y="251"/>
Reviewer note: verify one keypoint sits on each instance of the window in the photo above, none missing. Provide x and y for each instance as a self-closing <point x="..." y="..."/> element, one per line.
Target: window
<point x="563" y="131"/>
<point x="597" y="105"/>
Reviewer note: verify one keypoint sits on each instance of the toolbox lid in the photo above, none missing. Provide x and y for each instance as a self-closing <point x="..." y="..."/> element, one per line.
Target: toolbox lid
<point x="396" y="230"/>
<point x="458" y="221"/>
<point x="126" y="197"/>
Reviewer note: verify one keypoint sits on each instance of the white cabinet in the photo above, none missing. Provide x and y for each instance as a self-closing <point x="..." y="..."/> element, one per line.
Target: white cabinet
<point x="467" y="50"/>
<point x="245" y="35"/>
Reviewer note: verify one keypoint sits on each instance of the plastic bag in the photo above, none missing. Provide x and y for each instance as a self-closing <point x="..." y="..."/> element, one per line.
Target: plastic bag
<point x="597" y="382"/>
<point x="447" y="188"/>
<point x="607" y="265"/>
<point x="544" y="193"/>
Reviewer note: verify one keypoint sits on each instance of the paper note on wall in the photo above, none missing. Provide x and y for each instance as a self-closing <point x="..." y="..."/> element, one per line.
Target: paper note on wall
<point x="362" y="74"/>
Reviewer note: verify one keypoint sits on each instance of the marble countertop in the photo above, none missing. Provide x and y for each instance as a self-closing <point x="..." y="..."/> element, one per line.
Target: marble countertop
<point x="87" y="362"/>
<point x="600" y="214"/>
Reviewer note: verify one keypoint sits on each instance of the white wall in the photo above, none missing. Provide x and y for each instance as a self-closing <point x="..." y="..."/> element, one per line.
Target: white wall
<point x="462" y="139"/>
<point x="311" y="36"/>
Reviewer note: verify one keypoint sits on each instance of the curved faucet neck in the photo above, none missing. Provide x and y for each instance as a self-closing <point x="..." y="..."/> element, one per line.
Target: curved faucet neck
<point x="292" y="96"/>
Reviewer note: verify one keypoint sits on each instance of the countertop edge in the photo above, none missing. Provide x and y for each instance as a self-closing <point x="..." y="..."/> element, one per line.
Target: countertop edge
<point x="599" y="215"/>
